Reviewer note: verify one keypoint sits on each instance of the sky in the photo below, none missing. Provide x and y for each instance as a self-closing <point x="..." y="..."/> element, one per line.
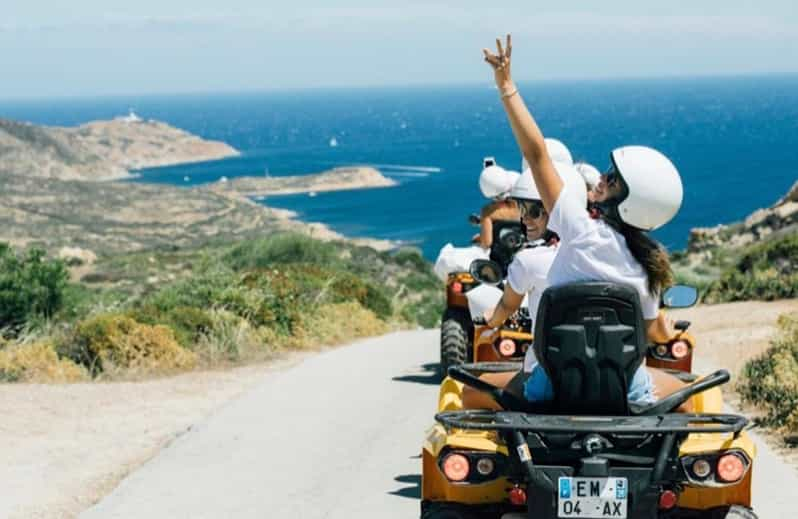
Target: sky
<point x="106" y="47"/>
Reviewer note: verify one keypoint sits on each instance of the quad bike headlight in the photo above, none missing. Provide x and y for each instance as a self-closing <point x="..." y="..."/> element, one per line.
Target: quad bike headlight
<point x="679" y="350"/>
<point x="485" y="466"/>
<point x="714" y="469"/>
<point x="702" y="468"/>
<point x="731" y="468"/>
<point x="455" y="467"/>
<point x="507" y="347"/>
<point x="471" y="466"/>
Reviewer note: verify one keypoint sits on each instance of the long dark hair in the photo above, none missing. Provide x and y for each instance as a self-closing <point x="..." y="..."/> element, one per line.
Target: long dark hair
<point x="649" y="253"/>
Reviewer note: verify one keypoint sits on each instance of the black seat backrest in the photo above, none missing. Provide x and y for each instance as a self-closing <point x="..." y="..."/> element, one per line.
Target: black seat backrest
<point x="498" y="252"/>
<point x="590" y="339"/>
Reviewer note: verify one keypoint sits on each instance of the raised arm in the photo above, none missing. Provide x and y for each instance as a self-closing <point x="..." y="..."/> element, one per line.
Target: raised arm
<point x="526" y="131"/>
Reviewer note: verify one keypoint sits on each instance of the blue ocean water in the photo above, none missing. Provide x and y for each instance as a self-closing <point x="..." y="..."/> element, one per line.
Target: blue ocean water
<point x="735" y="141"/>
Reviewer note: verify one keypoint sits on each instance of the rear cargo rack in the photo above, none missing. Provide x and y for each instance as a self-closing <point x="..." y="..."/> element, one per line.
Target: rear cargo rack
<point x="530" y="423"/>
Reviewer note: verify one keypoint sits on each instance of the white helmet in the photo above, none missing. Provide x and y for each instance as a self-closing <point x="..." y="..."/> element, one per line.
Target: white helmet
<point x="558" y="152"/>
<point x="496" y="182"/>
<point x="525" y="188"/>
<point x="654" y="187"/>
<point x="591" y="175"/>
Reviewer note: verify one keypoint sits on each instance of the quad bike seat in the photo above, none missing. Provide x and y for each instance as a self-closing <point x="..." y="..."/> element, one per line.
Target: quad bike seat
<point x="590" y="339"/>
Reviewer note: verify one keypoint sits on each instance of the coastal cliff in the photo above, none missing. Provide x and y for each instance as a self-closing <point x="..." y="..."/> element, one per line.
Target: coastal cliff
<point x="100" y="150"/>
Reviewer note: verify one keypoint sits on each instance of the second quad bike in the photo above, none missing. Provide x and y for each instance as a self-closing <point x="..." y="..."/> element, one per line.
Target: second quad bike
<point x="589" y="452"/>
<point x="457" y="328"/>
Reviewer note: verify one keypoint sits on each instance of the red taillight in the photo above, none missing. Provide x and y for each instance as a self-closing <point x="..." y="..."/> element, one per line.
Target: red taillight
<point x="730" y="468"/>
<point x="679" y="350"/>
<point x="517" y="496"/>
<point x="668" y="500"/>
<point x="457" y="287"/>
<point x="455" y="467"/>
<point x="507" y="347"/>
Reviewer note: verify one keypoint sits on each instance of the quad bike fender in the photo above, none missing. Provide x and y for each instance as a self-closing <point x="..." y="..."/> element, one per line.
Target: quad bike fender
<point x="450" y="395"/>
<point x="435" y="486"/>
<point x="457" y="299"/>
<point x="701" y="498"/>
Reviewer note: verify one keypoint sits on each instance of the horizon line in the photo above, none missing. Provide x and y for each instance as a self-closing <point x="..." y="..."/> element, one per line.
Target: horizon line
<point x="384" y="86"/>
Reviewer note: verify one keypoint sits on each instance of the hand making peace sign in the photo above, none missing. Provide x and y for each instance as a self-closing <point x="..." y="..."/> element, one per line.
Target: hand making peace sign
<point x="500" y="62"/>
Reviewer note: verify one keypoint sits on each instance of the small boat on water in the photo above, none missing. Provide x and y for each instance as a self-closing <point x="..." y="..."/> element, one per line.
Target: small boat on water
<point x="333" y="142"/>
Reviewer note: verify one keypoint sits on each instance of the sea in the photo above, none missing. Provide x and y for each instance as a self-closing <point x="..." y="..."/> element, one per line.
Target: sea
<point x="734" y="140"/>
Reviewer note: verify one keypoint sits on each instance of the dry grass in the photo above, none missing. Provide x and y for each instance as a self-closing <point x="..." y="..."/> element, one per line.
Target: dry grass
<point x="38" y="362"/>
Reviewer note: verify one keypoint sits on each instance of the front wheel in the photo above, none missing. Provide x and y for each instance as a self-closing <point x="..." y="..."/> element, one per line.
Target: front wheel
<point x="454" y="339"/>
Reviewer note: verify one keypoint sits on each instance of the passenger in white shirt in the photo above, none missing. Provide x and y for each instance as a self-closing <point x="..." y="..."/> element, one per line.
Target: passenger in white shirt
<point x="641" y="191"/>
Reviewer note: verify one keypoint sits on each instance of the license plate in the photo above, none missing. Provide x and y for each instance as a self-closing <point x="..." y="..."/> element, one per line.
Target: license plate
<point x="592" y="497"/>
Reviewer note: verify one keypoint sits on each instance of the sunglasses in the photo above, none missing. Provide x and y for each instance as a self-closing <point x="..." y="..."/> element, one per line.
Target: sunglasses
<point x="531" y="208"/>
<point x="612" y="175"/>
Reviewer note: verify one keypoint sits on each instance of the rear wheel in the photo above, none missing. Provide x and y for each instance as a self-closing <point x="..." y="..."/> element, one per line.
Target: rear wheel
<point x="454" y="339"/>
<point x="739" y="512"/>
<point x="440" y="510"/>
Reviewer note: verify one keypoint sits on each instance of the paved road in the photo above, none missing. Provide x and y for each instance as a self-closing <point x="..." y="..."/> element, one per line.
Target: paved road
<point x="337" y="436"/>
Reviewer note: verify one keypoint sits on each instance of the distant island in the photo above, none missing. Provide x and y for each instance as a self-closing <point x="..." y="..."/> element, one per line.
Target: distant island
<point x="78" y="207"/>
<point x="337" y="179"/>
<point x="100" y="150"/>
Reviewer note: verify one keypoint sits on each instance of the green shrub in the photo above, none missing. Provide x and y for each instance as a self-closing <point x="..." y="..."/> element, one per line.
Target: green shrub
<point x="30" y="285"/>
<point x="766" y="271"/>
<point x="280" y="249"/>
<point x="110" y="342"/>
<point x="188" y="323"/>
<point x="425" y="312"/>
<point x="771" y="380"/>
<point x="411" y="257"/>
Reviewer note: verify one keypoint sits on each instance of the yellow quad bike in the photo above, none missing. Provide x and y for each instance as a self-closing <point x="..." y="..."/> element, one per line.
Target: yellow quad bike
<point x="457" y="329"/>
<point x="589" y="452"/>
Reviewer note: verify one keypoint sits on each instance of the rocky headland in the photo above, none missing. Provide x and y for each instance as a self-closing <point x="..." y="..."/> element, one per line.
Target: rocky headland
<point x="775" y="221"/>
<point x="73" y="209"/>
<point x="100" y="150"/>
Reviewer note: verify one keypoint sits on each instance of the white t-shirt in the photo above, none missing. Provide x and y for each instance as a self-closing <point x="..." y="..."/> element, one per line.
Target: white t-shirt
<point x="528" y="274"/>
<point x="591" y="250"/>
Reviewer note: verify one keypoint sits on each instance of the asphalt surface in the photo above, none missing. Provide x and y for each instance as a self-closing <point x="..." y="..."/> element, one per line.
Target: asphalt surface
<point x="337" y="436"/>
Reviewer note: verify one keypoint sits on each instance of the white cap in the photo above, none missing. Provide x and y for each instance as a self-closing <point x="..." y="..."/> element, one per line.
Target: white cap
<point x="496" y="182"/>
<point x="591" y="175"/>
<point x="558" y="151"/>
<point x="655" y="187"/>
<point x="525" y="188"/>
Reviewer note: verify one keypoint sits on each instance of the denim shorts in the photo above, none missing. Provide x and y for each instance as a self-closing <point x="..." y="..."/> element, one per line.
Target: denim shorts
<point x="538" y="386"/>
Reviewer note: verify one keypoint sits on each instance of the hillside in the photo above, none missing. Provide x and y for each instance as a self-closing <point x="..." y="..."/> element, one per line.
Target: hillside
<point x="99" y="150"/>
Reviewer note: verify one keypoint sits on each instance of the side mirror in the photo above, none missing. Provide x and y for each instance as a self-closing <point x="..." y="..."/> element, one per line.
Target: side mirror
<point x="486" y="271"/>
<point x="680" y="296"/>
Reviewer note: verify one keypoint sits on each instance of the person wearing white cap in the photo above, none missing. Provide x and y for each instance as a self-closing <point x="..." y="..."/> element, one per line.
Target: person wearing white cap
<point x="496" y="183"/>
<point x="558" y="152"/>
<point x="641" y="192"/>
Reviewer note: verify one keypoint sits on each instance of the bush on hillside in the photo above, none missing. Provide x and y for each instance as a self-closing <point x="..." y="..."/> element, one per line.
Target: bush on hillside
<point x="37" y="362"/>
<point x="771" y="380"/>
<point x="109" y="342"/>
<point x="30" y="286"/>
<point x="766" y="271"/>
<point x="280" y="249"/>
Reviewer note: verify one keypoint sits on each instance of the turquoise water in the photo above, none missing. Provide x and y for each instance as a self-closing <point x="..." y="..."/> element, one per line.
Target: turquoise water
<point x="735" y="141"/>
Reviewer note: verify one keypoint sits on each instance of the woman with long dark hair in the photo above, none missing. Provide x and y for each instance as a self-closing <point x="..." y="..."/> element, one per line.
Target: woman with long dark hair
<point x="640" y="192"/>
